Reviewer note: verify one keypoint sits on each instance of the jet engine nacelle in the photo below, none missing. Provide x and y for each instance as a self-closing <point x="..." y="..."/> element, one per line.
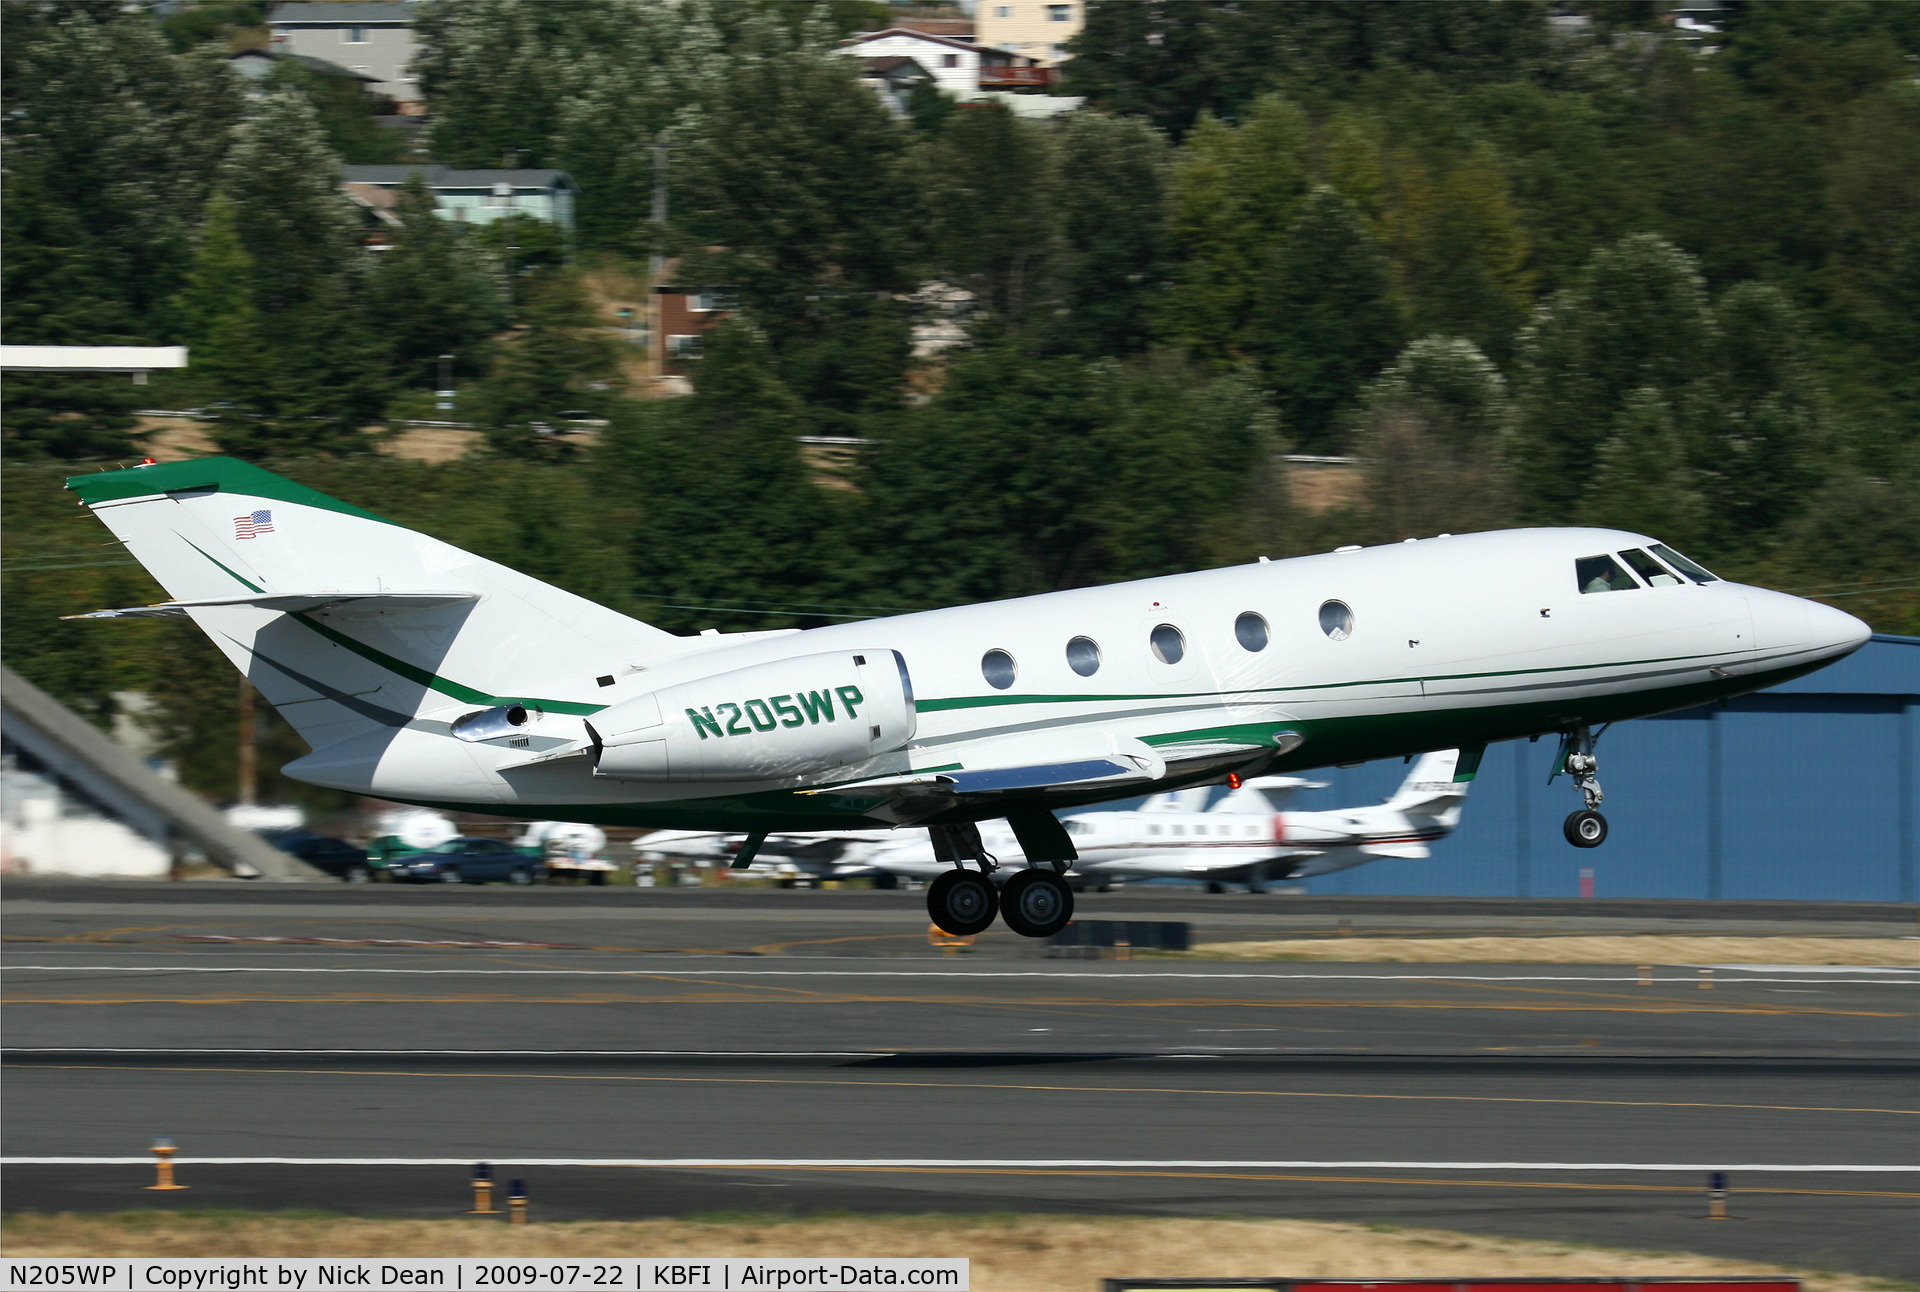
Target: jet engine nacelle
<point x="792" y="717"/>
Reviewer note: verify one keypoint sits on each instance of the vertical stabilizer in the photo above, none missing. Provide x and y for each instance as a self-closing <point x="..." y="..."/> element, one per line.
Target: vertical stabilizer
<point x="349" y="624"/>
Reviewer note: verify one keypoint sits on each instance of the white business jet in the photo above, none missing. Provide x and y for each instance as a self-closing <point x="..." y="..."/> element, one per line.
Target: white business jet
<point x="424" y="674"/>
<point x="1249" y="837"/>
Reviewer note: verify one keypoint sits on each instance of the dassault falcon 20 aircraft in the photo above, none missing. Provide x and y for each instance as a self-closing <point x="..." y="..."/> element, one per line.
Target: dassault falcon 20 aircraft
<point x="424" y="674"/>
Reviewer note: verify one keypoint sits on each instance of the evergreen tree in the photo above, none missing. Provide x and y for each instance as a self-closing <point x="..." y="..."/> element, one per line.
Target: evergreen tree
<point x="727" y="516"/>
<point x="221" y="325"/>
<point x="111" y="142"/>
<point x="990" y="220"/>
<point x="345" y="112"/>
<point x="326" y="351"/>
<point x="1641" y="321"/>
<point x="1112" y="222"/>
<point x="1460" y="252"/>
<point x="1431" y="429"/>
<point x="434" y="292"/>
<point x="1641" y="478"/>
<point x="1326" y="321"/>
<point x="1761" y="452"/>
<point x="804" y="186"/>
<point x="1236" y="193"/>
<point x="557" y="364"/>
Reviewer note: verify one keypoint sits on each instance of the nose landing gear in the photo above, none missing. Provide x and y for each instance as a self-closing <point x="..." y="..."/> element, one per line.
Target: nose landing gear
<point x="1585" y="828"/>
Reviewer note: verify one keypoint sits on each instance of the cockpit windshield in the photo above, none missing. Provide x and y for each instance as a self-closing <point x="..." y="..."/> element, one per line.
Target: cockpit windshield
<point x="1695" y="572"/>
<point x="1602" y="574"/>
<point x="1656" y="574"/>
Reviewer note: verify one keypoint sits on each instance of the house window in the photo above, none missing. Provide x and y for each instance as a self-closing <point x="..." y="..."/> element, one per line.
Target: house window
<point x="950" y="60"/>
<point x="355" y="36"/>
<point x="1059" y="13"/>
<point x="1003" y="11"/>
<point x="710" y="298"/>
<point x="683" y="347"/>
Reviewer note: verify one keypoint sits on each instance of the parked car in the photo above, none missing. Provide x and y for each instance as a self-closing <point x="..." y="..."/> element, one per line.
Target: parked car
<point x="335" y="856"/>
<point x="468" y="861"/>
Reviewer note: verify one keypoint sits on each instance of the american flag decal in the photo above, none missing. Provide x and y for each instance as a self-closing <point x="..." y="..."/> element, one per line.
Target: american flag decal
<point x="260" y="522"/>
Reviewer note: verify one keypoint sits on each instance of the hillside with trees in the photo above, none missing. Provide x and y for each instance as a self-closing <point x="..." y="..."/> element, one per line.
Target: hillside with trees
<point x="1529" y="263"/>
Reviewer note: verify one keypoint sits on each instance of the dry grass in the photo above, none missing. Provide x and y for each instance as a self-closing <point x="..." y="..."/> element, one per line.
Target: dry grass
<point x="1648" y="949"/>
<point x="1035" y="1253"/>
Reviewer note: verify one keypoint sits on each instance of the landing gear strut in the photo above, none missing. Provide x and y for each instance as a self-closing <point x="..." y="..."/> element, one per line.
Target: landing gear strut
<point x="1585" y="828"/>
<point x="962" y="902"/>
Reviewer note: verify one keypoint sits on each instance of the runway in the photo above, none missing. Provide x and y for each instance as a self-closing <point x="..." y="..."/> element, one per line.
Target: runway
<point x="792" y="1051"/>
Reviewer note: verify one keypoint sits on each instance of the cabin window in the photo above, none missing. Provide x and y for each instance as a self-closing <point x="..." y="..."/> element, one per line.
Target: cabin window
<point x="1649" y="569"/>
<point x="1602" y="574"/>
<point x="999" y="669"/>
<point x="1079" y="827"/>
<point x="1153" y="829"/>
<point x="1336" y="620"/>
<point x="1179" y="829"/>
<point x="1169" y="647"/>
<point x="1250" y="630"/>
<point x="1695" y="572"/>
<point x="1083" y="656"/>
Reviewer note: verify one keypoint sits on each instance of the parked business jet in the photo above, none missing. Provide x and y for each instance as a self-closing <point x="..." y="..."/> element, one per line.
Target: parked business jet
<point x="423" y="674"/>
<point x="1248" y="837"/>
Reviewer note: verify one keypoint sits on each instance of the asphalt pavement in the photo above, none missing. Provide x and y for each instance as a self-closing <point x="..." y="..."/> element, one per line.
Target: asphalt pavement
<point x="679" y="1053"/>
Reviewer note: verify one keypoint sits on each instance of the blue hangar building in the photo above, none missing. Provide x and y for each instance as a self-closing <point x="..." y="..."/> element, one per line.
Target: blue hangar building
<point x="1805" y="792"/>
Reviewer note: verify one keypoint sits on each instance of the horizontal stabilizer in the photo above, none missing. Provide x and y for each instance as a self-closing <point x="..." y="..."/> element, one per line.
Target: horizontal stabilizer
<point x="288" y="603"/>
<point x="1404" y="851"/>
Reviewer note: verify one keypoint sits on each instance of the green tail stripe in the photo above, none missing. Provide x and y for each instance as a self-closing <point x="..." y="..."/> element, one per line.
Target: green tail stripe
<point x="413" y="672"/>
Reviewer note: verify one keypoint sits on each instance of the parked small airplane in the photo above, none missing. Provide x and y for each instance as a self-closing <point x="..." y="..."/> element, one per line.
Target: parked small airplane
<point x="423" y="674"/>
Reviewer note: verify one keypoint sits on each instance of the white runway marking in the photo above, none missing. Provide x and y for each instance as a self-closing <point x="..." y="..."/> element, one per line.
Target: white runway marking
<point x="1912" y="977"/>
<point x="987" y="1163"/>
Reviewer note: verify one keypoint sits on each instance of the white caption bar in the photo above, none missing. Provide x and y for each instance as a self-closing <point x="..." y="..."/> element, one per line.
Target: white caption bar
<point x="456" y="1274"/>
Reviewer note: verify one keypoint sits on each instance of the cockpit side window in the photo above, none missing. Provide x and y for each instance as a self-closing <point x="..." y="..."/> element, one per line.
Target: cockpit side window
<point x="1656" y="574"/>
<point x="1695" y="572"/>
<point x="1602" y="574"/>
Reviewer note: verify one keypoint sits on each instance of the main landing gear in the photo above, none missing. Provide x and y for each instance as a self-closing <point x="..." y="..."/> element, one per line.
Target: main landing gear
<point x="1035" y="903"/>
<point x="1585" y="828"/>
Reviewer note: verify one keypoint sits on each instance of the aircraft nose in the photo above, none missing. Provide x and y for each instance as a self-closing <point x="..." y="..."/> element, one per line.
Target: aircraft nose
<point x="1783" y="620"/>
<point x="1835" y="630"/>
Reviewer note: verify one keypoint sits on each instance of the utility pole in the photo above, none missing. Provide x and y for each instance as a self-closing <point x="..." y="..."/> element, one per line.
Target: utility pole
<point x="249" y="779"/>
<point x="657" y="263"/>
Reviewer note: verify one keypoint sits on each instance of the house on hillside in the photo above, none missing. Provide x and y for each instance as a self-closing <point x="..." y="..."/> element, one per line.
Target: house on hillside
<point x="955" y="65"/>
<point x="1036" y="29"/>
<point x="893" y="77"/>
<point x="374" y="39"/>
<point x="472" y="196"/>
<point x="256" y="65"/>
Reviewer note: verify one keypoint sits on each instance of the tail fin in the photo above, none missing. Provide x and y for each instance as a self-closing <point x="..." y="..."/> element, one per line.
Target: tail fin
<point x="348" y="623"/>
<point x="1437" y="782"/>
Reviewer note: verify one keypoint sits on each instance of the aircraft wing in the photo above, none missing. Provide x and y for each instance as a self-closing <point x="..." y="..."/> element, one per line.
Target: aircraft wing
<point x="992" y="772"/>
<point x="288" y="603"/>
<point x="1003" y="769"/>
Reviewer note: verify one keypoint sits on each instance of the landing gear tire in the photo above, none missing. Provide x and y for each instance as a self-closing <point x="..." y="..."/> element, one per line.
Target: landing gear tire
<point x="1036" y="903"/>
<point x="1586" y="829"/>
<point x="962" y="902"/>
